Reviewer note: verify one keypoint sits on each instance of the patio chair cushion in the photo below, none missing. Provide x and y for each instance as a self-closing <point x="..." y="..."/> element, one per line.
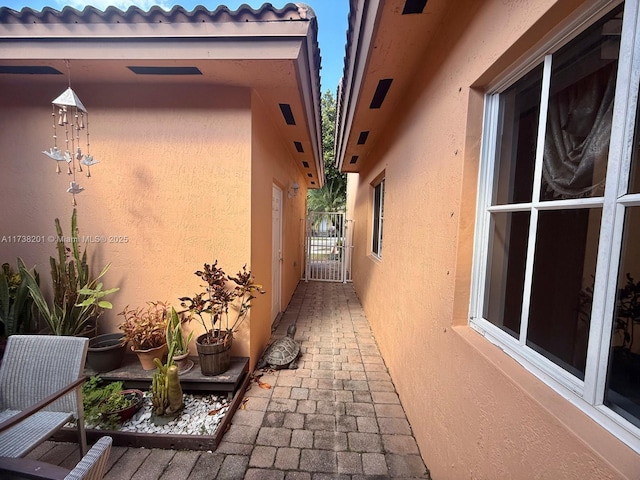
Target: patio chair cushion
<point x="19" y="440"/>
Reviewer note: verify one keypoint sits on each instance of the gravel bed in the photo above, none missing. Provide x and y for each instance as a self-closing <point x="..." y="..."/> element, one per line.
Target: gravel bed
<point x="201" y="416"/>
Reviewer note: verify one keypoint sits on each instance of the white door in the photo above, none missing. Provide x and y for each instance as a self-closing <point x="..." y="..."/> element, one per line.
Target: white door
<point x="276" y="253"/>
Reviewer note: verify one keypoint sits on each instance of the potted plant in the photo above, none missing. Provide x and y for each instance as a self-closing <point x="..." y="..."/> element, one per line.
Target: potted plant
<point x="107" y="405"/>
<point x="167" y="399"/>
<point x="78" y="300"/>
<point x="166" y="393"/>
<point x="178" y="348"/>
<point x="145" y="330"/>
<point x="222" y="293"/>
<point x="106" y="351"/>
<point x="16" y="303"/>
<point x="67" y="319"/>
<point x="626" y="354"/>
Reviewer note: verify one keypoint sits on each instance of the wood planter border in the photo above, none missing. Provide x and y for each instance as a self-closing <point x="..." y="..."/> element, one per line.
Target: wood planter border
<point x="233" y="383"/>
<point x="133" y="376"/>
<point x="165" y="441"/>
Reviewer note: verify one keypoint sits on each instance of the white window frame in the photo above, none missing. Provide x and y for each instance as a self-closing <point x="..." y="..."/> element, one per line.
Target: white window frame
<point x="377" y="218"/>
<point x="587" y="395"/>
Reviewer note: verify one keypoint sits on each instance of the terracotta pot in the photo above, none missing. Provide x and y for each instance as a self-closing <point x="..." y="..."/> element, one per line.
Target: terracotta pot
<point x="183" y="363"/>
<point x="146" y="356"/>
<point x="214" y="359"/>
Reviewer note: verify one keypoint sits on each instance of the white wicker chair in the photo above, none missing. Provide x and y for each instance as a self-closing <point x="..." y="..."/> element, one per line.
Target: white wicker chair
<point x="40" y="380"/>
<point x="91" y="467"/>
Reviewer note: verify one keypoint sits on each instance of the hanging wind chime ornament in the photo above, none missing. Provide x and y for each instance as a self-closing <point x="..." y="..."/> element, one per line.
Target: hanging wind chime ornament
<point x="73" y="117"/>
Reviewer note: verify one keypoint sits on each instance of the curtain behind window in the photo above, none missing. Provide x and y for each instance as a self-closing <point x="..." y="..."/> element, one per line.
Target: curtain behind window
<point x="577" y="137"/>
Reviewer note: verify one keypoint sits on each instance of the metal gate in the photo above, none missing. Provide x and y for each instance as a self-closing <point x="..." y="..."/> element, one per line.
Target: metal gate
<point x="327" y="247"/>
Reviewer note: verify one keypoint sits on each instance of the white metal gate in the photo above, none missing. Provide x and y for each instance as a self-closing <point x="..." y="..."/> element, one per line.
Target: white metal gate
<point x="327" y="247"/>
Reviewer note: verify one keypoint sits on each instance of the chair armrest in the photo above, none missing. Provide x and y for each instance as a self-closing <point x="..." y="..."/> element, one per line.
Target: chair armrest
<point x="10" y="422"/>
<point x="33" y="469"/>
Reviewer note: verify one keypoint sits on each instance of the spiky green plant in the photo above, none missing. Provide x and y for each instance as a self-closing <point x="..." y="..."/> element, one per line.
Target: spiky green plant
<point x="16" y="303"/>
<point x="68" y="275"/>
<point x="77" y="298"/>
<point x="63" y="321"/>
<point x="175" y="340"/>
<point x="166" y="392"/>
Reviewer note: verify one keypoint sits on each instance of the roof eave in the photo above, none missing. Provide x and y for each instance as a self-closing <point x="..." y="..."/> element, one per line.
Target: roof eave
<point x="363" y="20"/>
<point x="380" y="70"/>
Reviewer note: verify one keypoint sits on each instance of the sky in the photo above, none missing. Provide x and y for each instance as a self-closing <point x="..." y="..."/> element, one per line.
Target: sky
<point x="331" y="14"/>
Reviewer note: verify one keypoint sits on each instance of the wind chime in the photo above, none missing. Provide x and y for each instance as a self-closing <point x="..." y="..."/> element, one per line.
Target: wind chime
<point x="74" y="118"/>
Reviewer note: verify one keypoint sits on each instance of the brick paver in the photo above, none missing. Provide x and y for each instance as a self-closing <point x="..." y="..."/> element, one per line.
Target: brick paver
<point x="337" y="416"/>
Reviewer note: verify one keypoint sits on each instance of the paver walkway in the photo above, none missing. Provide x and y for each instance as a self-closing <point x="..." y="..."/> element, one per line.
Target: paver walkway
<point x="336" y="417"/>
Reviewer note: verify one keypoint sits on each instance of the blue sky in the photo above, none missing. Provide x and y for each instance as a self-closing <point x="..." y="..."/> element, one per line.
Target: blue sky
<point x="332" y="22"/>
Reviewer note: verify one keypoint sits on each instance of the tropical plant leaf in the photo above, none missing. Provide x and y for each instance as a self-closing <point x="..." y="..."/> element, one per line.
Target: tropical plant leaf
<point x="4" y="298"/>
<point x="38" y="297"/>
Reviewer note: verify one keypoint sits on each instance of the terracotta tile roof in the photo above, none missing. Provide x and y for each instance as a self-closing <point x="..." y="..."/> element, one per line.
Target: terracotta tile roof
<point x="351" y="21"/>
<point x="340" y="94"/>
<point x="177" y="14"/>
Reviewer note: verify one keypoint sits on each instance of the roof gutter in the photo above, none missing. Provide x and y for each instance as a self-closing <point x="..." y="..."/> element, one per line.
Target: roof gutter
<point x="313" y="97"/>
<point x="364" y="19"/>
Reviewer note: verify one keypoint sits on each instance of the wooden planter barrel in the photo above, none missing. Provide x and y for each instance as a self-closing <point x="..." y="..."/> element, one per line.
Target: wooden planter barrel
<point x="214" y="359"/>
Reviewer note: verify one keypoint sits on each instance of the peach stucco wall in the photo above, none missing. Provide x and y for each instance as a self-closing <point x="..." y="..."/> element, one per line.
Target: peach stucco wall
<point x="474" y="411"/>
<point x="174" y="178"/>
<point x="272" y="165"/>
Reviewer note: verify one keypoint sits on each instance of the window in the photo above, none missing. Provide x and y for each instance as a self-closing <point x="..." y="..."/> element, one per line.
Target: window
<point x="378" y="217"/>
<point x="557" y="263"/>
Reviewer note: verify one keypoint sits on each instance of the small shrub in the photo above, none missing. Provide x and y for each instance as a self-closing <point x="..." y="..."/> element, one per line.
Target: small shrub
<point x="101" y="399"/>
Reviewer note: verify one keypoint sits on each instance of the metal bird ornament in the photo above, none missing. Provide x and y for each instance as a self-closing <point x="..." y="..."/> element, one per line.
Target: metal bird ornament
<point x="88" y="161"/>
<point x="74" y="189"/>
<point x="55" y="153"/>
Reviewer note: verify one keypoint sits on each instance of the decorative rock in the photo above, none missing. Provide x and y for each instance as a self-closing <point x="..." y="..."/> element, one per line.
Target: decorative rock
<point x="194" y="419"/>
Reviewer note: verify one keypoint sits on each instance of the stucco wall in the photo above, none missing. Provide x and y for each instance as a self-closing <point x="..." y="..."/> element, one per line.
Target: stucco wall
<point x="174" y="178"/>
<point x="474" y="411"/>
<point x="272" y="164"/>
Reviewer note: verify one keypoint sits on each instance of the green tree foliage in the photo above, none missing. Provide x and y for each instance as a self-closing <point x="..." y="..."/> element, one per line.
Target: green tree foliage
<point x="332" y="196"/>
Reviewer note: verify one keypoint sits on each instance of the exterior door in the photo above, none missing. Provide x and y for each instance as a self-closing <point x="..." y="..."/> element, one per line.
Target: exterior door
<point x="276" y="252"/>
